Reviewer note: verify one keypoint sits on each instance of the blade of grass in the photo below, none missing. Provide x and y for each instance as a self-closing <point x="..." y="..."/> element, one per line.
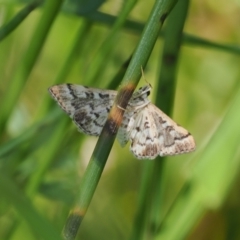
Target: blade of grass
<point x="4" y="149"/>
<point x="119" y="76"/>
<point x="142" y="213"/>
<point x="76" y="48"/>
<point x="166" y="85"/>
<point x="23" y="206"/>
<point x="209" y="180"/>
<point x="17" y="83"/>
<point x="133" y="26"/>
<point x="46" y="153"/>
<point x="165" y="97"/>
<point x="58" y="135"/>
<point x="18" y="18"/>
<point x="47" y="158"/>
<point x="166" y="89"/>
<point x="99" y="157"/>
<point x="97" y="63"/>
<point x="25" y="137"/>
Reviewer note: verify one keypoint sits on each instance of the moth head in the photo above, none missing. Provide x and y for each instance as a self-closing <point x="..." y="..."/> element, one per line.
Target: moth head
<point x="145" y="90"/>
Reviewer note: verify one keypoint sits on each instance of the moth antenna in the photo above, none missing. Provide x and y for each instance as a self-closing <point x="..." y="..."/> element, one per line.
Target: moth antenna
<point x="145" y="78"/>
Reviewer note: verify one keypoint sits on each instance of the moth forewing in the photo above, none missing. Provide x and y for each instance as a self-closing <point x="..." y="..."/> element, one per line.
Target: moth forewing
<point x="150" y="131"/>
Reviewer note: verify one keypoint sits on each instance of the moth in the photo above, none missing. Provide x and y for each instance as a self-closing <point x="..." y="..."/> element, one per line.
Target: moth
<point x="150" y="131"/>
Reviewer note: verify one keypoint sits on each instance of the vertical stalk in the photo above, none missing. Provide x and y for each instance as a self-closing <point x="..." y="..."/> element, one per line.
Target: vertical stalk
<point x="99" y="157"/>
<point x="14" y="89"/>
<point x="166" y="90"/>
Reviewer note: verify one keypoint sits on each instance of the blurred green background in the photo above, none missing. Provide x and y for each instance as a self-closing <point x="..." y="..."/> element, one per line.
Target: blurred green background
<point x="43" y="156"/>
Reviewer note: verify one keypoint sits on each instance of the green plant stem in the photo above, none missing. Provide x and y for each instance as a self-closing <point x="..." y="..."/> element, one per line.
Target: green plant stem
<point x="19" y="79"/>
<point x="47" y="158"/>
<point x="165" y="98"/>
<point x="7" y="148"/>
<point x="144" y="200"/>
<point x="58" y="134"/>
<point x="17" y="20"/>
<point x="99" y="157"/>
<point x="166" y="85"/>
<point x="208" y="181"/>
<point x="166" y="88"/>
<point x="76" y="47"/>
<point x="40" y="226"/>
<point x="97" y="64"/>
<point x="119" y="75"/>
<point x="133" y="26"/>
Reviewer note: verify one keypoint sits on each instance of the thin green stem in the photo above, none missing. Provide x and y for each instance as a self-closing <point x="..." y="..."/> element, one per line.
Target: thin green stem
<point x="58" y="134"/>
<point x="120" y="74"/>
<point x="50" y="150"/>
<point x="137" y="27"/>
<point x="74" y="52"/>
<point x="7" y="148"/>
<point x="99" y="157"/>
<point x="20" y="77"/>
<point x="166" y="84"/>
<point x="40" y="226"/>
<point x="166" y="91"/>
<point x="97" y="64"/>
<point x="143" y="203"/>
<point x="165" y="96"/>
<point x="18" y="18"/>
<point x="208" y="181"/>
